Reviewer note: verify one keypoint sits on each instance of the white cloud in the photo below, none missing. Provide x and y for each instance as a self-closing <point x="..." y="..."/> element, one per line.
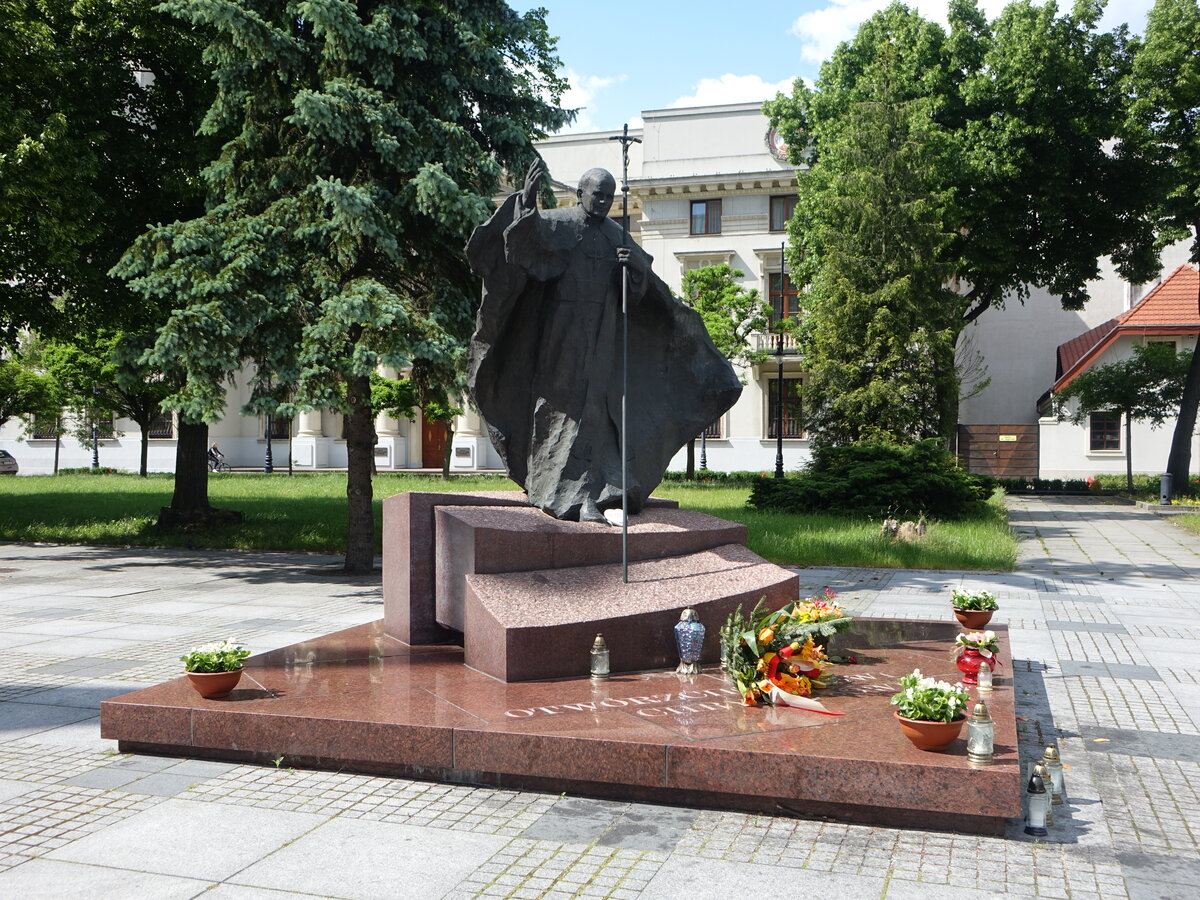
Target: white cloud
<point x="732" y="89"/>
<point x="581" y="94"/>
<point x="821" y="30"/>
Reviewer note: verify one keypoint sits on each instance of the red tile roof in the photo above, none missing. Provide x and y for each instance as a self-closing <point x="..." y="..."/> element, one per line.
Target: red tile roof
<point x="1173" y="307"/>
<point x="1174" y="302"/>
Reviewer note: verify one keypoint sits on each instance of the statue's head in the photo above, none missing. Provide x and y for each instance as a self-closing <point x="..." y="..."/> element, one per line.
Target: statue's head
<point x="596" y="190"/>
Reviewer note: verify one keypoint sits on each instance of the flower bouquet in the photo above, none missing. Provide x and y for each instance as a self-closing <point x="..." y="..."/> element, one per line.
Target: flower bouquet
<point x="972" y="649"/>
<point x="776" y="656"/>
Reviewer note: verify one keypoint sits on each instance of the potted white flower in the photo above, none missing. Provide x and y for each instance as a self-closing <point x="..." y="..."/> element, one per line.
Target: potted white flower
<point x="973" y="609"/>
<point x="214" y="669"/>
<point x="930" y="712"/>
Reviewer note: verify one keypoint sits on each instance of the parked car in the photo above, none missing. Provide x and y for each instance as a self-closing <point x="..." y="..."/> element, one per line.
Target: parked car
<point x="8" y="463"/>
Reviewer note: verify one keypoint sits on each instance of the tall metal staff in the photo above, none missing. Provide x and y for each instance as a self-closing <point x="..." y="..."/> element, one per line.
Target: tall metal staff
<point x="779" y="357"/>
<point x="625" y="140"/>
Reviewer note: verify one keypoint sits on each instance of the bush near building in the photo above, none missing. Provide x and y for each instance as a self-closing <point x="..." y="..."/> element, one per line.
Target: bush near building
<point x="877" y="479"/>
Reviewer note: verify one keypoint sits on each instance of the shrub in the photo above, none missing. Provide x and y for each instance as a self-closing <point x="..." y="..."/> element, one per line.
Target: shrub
<point x="877" y="479"/>
<point x="1040" y="485"/>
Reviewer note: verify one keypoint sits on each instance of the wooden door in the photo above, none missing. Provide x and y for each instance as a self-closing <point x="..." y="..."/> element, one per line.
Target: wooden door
<point x="433" y="444"/>
<point x="1006" y="451"/>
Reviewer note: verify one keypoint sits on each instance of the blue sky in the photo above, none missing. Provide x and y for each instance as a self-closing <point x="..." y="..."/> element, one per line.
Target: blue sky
<point x="623" y="56"/>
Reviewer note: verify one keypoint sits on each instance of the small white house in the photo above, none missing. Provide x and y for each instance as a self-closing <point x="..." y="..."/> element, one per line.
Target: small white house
<point x="1168" y="314"/>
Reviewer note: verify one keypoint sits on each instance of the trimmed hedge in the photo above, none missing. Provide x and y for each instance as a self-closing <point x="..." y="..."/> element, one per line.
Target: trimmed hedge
<point x="875" y="479"/>
<point x="1036" y="485"/>
<point x="716" y="477"/>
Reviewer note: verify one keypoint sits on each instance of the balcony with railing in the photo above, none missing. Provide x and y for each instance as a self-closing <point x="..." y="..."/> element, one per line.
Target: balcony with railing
<point x="769" y="343"/>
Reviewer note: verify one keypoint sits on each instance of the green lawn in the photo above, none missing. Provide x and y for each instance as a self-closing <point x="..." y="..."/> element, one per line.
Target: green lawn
<point x="308" y="512"/>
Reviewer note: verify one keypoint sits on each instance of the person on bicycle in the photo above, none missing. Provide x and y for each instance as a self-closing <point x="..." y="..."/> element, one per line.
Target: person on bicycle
<point x="214" y="457"/>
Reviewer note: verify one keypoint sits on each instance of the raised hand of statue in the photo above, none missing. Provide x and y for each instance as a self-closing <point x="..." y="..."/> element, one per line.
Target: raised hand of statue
<point x="626" y="258"/>
<point x="533" y="181"/>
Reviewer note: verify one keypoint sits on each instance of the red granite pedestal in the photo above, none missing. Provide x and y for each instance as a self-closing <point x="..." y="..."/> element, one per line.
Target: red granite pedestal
<point x="525" y="594"/>
<point x="360" y="700"/>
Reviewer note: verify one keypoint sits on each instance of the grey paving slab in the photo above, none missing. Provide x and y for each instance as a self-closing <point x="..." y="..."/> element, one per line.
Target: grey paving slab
<point x="1102" y="627"/>
<point x="644" y="827"/>
<point x="81" y="646"/>
<point x="160" y="784"/>
<point x="362" y="860"/>
<point x="183" y="838"/>
<point x="144" y="763"/>
<point x="703" y="879"/>
<point x="142" y="631"/>
<point x="1160" y="876"/>
<point x="44" y="879"/>
<point x="1085" y="669"/>
<point x="49" y="613"/>
<point x="86" y="666"/>
<point x="201" y="768"/>
<point x="19" y="720"/>
<point x="10" y="789"/>
<point x="85" y="695"/>
<point x="1130" y="742"/>
<point x="59" y="626"/>
<point x="105" y="778"/>
<point x="228" y="891"/>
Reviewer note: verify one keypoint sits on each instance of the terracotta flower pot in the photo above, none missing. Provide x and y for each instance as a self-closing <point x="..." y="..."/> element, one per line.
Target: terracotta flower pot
<point x="930" y="735"/>
<point x="214" y="685"/>
<point x="973" y="619"/>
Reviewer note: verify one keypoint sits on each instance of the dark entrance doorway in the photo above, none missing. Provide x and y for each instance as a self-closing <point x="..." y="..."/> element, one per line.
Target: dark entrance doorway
<point x="433" y="444"/>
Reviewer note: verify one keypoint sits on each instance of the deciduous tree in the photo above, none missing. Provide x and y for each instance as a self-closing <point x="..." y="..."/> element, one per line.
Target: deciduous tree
<point x="1164" y="130"/>
<point x="1024" y="110"/>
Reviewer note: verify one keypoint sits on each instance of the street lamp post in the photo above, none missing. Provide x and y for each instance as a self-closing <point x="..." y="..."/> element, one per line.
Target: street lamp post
<point x="268" y="462"/>
<point x="779" y="405"/>
<point x="95" y="429"/>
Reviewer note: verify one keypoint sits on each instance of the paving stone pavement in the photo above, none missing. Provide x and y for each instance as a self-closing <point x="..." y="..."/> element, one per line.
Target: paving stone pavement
<point x="1103" y="611"/>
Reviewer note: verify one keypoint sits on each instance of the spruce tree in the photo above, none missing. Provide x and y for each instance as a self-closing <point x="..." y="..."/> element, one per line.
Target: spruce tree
<point x="369" y="138"/>
<point x="879" y="320"/>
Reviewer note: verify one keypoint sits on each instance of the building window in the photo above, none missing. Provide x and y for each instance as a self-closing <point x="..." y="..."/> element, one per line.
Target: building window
<point x="706" y="217"/>
<point x="281" y="427"/>
<point x="781" y="210"/>
<point x="162" y="428"/>
<point x="1169" y="341"/>
<point x="782" y="294"/>
<point x="44" y="428"/>
<point x="793" y="420"/>
<point x="1105" y="428"/>
<point x="713" y="431"/>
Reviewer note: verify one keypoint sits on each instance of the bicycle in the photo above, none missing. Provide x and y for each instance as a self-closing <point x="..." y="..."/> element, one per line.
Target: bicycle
<point x="219" y="465"/>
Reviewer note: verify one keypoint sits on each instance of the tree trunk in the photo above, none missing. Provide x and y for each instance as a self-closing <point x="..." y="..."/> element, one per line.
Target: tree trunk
<point x="1128" y="452"/>
<point x="189" y="503"/>
<point x="144" y="451"/>
<point x="1179" y="462"/>
<point x="690" y="470"/>
<point x="448" y="451"/>
<point x="191" y="470"/>
<point x="360" y="445"/>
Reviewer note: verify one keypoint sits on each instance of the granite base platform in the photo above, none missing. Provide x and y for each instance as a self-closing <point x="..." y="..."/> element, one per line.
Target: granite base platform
<point x="360" y="700"/>
<point x="520" y="590"/>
